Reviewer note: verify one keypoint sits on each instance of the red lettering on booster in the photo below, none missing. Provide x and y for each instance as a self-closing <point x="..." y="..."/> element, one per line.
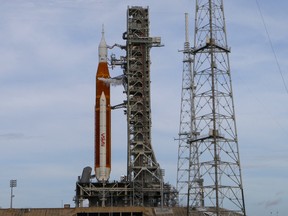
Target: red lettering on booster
<point x="103" y="139"/>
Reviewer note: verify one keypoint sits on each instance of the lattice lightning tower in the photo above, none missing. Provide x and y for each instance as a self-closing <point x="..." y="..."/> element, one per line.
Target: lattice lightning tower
<point x="185" y="121"/>
<point x="215" y="182"/>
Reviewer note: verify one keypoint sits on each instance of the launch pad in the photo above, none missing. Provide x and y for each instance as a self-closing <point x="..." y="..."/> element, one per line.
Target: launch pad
<point x="120" y="194"/>
<point x="144" y="184"/>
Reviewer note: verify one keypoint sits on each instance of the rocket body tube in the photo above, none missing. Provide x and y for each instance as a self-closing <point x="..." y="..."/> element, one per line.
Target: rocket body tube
<point x="102" y="117"/>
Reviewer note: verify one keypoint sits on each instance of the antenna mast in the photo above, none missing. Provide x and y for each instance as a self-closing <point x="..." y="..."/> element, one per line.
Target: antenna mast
<point x="185" y="121"/>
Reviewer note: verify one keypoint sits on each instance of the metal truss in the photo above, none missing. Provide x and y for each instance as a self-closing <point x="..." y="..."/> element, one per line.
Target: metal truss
<point x="215" y="162"/>
<point x="186" y="127"/>
<point x="104" y="195"/>
<point x="143" y="169"/>
<point x="116" y="194"/>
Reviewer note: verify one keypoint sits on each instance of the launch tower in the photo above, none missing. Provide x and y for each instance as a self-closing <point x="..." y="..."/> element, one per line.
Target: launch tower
<point x="144" y="184"/>
<point x="143" y="171"/>
<point x="209" y="151"/>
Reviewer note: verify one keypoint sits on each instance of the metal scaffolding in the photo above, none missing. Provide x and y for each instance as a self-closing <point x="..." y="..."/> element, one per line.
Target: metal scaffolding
<point x="214" y="172"/>
<point x="143" y="171"/>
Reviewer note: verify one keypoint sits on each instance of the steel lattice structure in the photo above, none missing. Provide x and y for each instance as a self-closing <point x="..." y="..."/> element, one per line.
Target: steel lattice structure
<point x="184" y="150"/>
<point x="143" y="169"/>
<point x="214" y="163"/>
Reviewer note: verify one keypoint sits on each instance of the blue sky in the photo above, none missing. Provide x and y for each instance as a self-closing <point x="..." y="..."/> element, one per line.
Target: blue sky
<point x="48" y="63"/>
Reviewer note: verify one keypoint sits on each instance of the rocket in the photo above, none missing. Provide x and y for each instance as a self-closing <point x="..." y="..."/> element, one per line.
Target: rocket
<point x="102" y="116"/>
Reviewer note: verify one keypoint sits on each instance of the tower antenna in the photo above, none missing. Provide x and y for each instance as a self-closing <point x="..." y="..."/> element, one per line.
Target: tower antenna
<point x="185" y="127"/>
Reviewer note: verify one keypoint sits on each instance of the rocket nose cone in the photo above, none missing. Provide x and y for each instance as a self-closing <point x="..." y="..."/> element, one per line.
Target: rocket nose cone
<point x="102" y="49"/>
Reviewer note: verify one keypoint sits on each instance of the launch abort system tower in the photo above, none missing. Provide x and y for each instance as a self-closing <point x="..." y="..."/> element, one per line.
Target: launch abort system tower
<point x="208" y="159"/>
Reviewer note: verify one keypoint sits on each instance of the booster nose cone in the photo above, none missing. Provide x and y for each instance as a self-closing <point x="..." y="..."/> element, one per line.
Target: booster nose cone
<point x="102" y="49"/>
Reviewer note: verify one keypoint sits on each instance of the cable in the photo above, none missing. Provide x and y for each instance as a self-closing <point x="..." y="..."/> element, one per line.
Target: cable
<point x="271" y="45"/>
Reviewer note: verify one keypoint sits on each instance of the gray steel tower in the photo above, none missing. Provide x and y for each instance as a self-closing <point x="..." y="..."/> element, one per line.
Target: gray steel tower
<point x="143" y="169"/>
<point x="215" y="182"/>
<point x="184" y="150"/>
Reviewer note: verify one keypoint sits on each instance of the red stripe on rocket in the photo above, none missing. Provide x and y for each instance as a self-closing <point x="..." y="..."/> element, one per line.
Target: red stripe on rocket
<point x="102" y="117"/>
